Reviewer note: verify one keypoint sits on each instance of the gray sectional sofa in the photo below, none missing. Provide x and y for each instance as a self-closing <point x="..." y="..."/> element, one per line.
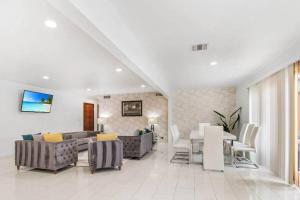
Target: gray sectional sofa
<point x="82" y="137"/>
<point x="137" y="146"/>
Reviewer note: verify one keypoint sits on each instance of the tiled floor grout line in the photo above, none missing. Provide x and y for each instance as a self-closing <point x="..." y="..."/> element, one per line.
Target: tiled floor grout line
<point x="155" y="190"/>
<point x="194" y="170"/>
<point x="232" y="189"/>
<point x="174" y="192"/>
<point x="248" y="187"/>
<point x="210" y="181"/>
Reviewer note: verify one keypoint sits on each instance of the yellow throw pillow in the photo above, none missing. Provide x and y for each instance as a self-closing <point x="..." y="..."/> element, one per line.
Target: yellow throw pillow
<point x="53" y="137"/>
<point x="107" y="137"/>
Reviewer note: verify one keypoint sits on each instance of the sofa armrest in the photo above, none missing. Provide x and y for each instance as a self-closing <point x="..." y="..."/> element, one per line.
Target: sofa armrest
<point x="105" y="154"/>
<point x="45" y="155"/>
<point x="146" y="143"/>
<point x="131" y="146"/>
<point x="66" y="152"/>
<point x="32" y="154"/>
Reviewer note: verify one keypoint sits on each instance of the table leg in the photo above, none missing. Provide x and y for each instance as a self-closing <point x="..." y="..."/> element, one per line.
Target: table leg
<point x="192" y="146"/>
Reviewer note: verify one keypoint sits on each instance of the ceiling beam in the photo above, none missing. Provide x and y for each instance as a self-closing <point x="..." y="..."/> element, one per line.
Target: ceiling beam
<point x="100" y="21"/>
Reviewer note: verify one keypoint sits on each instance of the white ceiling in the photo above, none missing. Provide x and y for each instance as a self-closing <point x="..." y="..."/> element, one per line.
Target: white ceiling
<point x="73" y="60"/>
<point x="244" y="37"/>
<point x="151" y="38"/>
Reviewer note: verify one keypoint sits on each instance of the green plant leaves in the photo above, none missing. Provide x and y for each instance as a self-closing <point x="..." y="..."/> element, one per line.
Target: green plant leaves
<point x="219" y="114"/>
<point x="237" y="110"/>
<point x="230" y="126"/>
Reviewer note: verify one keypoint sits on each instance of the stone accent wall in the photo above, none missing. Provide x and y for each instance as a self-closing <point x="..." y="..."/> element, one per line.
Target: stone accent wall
<point x="193" y="106"/>
<point x="152" y="105"/>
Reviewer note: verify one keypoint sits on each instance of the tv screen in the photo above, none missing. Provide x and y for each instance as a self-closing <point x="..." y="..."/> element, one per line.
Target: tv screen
<point x="36" y="102"/>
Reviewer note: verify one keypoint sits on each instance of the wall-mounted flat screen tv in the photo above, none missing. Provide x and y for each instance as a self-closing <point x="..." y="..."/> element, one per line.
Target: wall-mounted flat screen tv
<point x="36" y="102"/>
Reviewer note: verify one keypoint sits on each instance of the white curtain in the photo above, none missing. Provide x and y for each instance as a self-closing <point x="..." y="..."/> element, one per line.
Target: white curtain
<point x="271" y="107"/>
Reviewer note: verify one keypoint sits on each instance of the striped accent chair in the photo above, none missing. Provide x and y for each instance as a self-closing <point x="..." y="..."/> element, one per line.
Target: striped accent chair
<point x="45" y="155"/>
<point x="105" y="154"/>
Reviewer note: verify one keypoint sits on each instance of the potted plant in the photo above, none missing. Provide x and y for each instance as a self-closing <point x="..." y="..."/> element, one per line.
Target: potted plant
<point x="230" y="122"/>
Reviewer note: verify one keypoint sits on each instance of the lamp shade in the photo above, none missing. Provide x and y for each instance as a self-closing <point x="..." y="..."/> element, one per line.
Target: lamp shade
<point x="152" y="120"/>
<point x="102" y="120"/>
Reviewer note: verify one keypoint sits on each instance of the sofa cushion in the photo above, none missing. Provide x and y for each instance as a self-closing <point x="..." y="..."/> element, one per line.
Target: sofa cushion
<point x="53" y="137"/>
<point x="82" y="141"/>
<point x="79" y="135"/>
<point x="30" y="136"/>
<point x="38" y="137"/>
<point x="107" y="137"/>
<point x="93" y="133"/>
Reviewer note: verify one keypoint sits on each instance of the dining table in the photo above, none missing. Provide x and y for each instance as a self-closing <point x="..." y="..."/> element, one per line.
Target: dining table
<point x="195" y="136"/>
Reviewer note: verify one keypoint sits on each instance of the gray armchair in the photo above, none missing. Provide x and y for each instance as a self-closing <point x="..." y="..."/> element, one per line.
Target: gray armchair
<point x="105" y="154"/>
<point x="45" y="155"/>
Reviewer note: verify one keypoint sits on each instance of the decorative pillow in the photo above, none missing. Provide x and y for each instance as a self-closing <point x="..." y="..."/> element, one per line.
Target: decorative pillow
<point x="38" y="137"/>
<point x="27" y="137"/>
<point x="107" y="137"/>
<point x="53" y="137"/>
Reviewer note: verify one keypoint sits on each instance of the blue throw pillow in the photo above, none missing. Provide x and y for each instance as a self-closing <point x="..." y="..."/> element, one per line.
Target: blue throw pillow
<point x="27" y="137"/>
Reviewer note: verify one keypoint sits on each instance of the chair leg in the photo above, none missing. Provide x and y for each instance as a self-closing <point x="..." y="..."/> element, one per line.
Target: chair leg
<point x="18" y="167"/>
<point x="233" y="161"/>
<point x="120" y="167"/>
<point x="243" y="160"/>
<point x="184" y="156"/>
<point x="75" y="164"/>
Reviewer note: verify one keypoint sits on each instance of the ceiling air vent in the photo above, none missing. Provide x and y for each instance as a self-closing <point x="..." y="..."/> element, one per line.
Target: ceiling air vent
<point x="106" y="97"/>
<point x="199" y="47"/>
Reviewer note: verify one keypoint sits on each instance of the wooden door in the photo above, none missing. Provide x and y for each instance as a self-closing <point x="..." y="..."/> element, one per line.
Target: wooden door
<point x="88" y="117"/>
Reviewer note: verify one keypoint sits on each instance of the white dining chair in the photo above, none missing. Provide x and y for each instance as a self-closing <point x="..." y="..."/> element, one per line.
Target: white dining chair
<point x="181" y="147"/>
<point x="201" y="128"/>
<point x="244" y="138"/>
<point x="246" y="148"/>
<point x="213" y="155"/>
<point x="243" y="132"/>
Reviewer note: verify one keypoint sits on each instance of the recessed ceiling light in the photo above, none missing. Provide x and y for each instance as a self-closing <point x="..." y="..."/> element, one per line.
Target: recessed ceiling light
<point x="88" y="89"/>
<point x="143" y="86"/>
<point x="46" y="77"/>
<point x="50" y="23"/>
<point x="118" y="69"/>
<point x="213" y="63"/>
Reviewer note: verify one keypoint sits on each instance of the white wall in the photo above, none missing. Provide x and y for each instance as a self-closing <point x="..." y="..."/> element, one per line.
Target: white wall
<point x="242" y="99"/>
<point x="66" y="114"/>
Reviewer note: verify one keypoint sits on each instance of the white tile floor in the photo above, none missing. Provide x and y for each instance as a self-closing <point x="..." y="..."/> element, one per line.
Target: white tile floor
<point x="153" y="178"/>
